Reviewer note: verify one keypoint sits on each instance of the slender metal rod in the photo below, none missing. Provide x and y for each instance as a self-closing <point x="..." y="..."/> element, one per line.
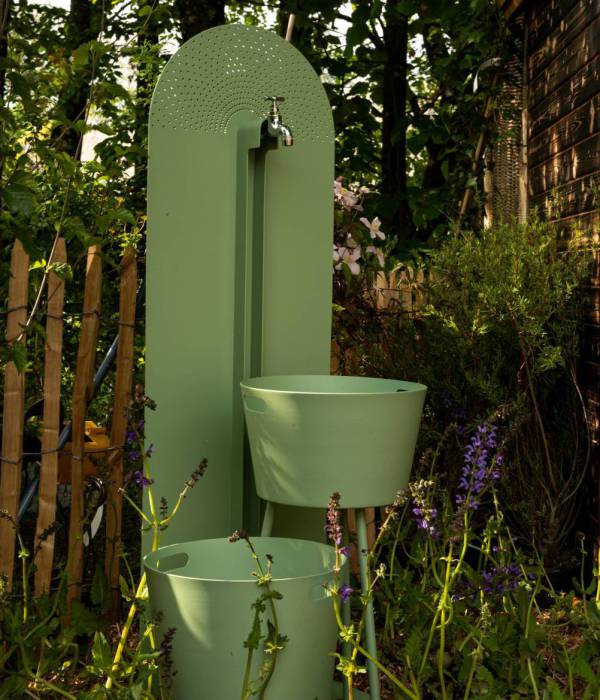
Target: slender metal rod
<point x="346" y="610"/>
<point x="269" y="517"/>
<point x="371" y="641"/>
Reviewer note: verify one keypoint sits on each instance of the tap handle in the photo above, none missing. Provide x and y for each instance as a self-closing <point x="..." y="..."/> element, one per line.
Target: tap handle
<point x="274" y="103"/>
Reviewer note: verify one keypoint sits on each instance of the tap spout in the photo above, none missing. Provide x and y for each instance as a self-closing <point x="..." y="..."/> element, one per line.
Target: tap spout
<point x="275" y="126"/>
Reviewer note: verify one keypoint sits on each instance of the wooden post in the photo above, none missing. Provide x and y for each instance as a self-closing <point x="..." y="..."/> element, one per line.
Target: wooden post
<point x="14" y="398"/>
<point x="122" y="397"/>
<point x="290" y="27"/>
<point x="86" y="357"/>
<point x="51" y="424"/>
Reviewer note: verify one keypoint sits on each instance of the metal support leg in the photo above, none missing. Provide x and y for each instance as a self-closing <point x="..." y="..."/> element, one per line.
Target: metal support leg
<point x="269" y="517"/>
<point x="346" y="611"/>
<point x="371" y="643"/>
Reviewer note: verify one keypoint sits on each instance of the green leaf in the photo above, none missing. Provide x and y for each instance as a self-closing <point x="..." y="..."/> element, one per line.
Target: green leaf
<point x="81" y="56"/>
<point x="83" y="620"/>
<point x="61" y="269"/>
<point x="37" y="265"/>
<point x="20" y="199"/>
<point x="124" y="588"/>
<point x="101" y="653"/>
<point x="17" y="353"/>
<point x="99" y="592"/>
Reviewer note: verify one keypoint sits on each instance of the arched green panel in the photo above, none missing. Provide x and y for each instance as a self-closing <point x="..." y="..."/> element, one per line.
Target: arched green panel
<point x="239" y="257"/>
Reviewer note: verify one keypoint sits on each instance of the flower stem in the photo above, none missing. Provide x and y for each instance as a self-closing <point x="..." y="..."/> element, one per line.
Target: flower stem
<point x="126" y="628"/>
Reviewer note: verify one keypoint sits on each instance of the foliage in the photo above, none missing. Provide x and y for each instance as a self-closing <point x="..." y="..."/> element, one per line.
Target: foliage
<point x="359" y="255"/>
<point x="498" y="337"/>
<point x="90" y="71"/>
<point x="401" y="77"/>
<point x="464" y="611"/>
<point x="56" y="649"/>
<point x="272" y="641"/>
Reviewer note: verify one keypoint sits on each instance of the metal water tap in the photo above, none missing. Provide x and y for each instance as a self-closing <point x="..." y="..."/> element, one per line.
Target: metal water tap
<point x="275" y="126"/>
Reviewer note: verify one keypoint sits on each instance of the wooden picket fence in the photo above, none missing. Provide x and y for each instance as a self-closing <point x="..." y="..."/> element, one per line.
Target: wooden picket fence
<point x="397" y="291"/>
<point x="11" y="459"/>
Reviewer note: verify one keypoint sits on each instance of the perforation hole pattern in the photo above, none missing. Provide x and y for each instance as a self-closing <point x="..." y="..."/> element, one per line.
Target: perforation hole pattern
<point x="231" y="68"/>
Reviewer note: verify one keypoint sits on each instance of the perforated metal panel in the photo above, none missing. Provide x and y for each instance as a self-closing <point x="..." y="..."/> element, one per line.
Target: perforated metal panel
<point x="231" y="68"/>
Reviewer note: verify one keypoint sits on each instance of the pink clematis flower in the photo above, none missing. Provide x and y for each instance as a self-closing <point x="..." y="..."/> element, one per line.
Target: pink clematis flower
<point x="349" y="256"/>
<point x="373" y="227"/>
<point x="346" y="197"/>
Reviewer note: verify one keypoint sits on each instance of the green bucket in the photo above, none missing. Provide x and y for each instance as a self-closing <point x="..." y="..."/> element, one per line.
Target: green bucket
<point x="205" y="590"/>
<point x="313" y="435"/>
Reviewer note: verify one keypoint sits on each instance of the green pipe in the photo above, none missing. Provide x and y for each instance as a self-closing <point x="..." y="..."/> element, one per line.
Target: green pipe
<point x="363" y="554"/>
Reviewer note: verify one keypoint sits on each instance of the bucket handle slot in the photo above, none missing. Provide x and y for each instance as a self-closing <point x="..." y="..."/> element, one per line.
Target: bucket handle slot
<point x="254" y="404"/>
<point x="172" y="562"/>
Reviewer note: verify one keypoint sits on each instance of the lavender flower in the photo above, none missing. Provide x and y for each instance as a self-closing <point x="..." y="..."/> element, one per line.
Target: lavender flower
<point x="480" y="467"/>
<point x="164" y="507"/>
<point x="197" y="474"/>
<point x="333" y="526"/>
<point x="134" y="455"/>
<point x="130" y="437"/>
<point x="501" y="579"/>
<point x="346" y="592"/>
<point x="425" y="515"/>
<point x="141" y="479"/>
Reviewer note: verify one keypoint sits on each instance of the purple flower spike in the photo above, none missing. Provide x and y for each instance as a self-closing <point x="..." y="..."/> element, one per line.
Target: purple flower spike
<point x="481" y="465"/>
<point x="130" y="436"/>
<point x="345" y="592"/>
<point x="424" y="513"/>
<point x="141" y="479"/>
<point x="346" y="550"/>
<point x="134" y="455"/>
<point x="501" y="579"/>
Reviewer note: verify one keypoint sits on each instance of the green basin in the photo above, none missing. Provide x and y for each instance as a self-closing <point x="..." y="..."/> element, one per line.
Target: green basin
<point x="205" y="590"/>
<point x="311" y="435"/>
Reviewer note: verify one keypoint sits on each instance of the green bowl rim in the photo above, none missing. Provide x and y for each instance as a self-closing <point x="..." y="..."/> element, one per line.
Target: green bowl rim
<point x="178" y="545"/>
<point x="407" y="387"/>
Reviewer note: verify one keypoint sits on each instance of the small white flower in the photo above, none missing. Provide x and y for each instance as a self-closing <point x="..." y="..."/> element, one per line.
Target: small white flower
<point x="349" y="256"/>
<point x="373" y="227"/>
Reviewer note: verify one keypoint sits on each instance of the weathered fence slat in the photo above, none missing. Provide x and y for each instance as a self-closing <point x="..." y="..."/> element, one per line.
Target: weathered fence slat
<point x="14" y="398"/>
<point x="51" y="424"/>
<point x="86" y="356"/>
<point x="122" y="397"/>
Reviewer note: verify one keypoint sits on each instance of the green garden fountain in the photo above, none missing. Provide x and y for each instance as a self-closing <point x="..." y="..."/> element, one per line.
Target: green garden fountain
<point x="240" y="215"/>
<point x="239" y="255"/>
